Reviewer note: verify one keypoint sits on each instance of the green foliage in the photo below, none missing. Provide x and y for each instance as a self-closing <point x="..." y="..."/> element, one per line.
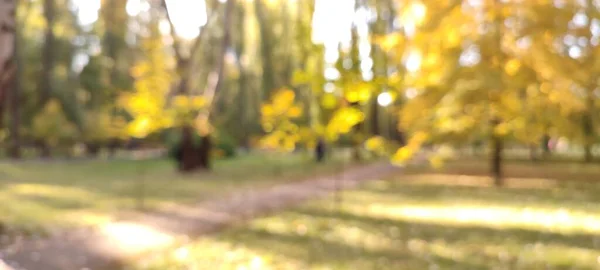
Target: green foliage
<point x="51" y="125"/>
<point x="102" y="126"/>
<point x="225" y="144"/>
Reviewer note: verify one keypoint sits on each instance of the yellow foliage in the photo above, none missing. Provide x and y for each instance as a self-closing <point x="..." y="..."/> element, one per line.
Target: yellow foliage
<point x="502" y="129"/>
<point x="453" y="38"/>
<point x="139" y="70"/>
<point x="283" y="98"/>
<point x="405" y="153"/>
<point x="267" y="110"/>
<point x="360" y="92"/>
<point x="300" y="77"/>
<point x="414" y="14"/>
<point x="545" y="88"/>
<point x="295" y="112"/>
<point x="140" y="127"/>
<point x="329" y="101"/>
<point x="402" y="155"/>
<point x="376" y="144"/>
<point x="512" y="67"/>
<point x="147" y="103"/>
<point x="391" y="41"/>
<point x="343" y="120"/>
<point x="395" y="79"/>
<point x="277" y="119"/>
<point x="198" y="102"/>
<point x="419" y="138"/>
<point x="180" y="101"/>
<point x="436" y="161"/>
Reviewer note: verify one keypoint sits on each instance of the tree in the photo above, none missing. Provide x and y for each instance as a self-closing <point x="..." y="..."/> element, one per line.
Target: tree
<point x="267" y="44"/>
<point x="565" y="55"/>
<point x="9" y="81"/>
<point x="7" y="42"/>
<point x="468" y="80"/>
<point x="186" y="66"/>
<point x="115" y="19"/>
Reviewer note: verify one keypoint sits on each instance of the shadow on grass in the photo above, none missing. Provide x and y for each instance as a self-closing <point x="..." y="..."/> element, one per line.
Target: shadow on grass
<point x="56" y="202"/>
<point x="410" y="244"/>
<point x="314" y="250"/>
<point x="564" y="172"/>
<point x="455" y="234"/>
<point x="556" y="197"/>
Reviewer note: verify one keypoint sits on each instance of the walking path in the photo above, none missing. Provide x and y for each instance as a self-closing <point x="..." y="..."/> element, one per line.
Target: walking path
<point x="107" y="247"/>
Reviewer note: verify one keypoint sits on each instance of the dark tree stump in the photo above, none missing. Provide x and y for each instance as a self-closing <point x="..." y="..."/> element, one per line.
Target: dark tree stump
<point x="92" y="149"/>
<point x="192" y="157"/>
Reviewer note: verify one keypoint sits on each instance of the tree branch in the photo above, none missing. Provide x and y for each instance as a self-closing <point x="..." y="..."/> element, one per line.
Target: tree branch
<point x="186" y="65"/>
<point x="215" y="77"/>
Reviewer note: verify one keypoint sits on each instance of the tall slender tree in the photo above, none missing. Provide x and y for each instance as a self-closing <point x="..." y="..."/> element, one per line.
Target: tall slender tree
<point x="9" y="83"/>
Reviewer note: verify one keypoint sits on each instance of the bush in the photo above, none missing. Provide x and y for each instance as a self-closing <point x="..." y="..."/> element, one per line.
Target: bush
<point x="226" y="144"/>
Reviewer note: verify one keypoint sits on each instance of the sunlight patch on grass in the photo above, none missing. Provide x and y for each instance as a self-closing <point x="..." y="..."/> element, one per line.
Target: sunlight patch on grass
<point x="50" y="192"/>
<point x="556" y="220"/>
<point x="134" y="238"/>
<point x="480" y="181"/>
<point x="87" y="218"/>
<point x="208" y="254"/>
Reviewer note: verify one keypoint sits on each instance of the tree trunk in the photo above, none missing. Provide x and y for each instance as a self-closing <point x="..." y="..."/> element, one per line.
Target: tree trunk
<point x="9" y="71"/>
<point x="15" y="115"/>
<point x="92" y="149"/>
<point x="546" y="145"/>
<point x="188" y="157"/>
<point x="497" y="145"/>
<point x="588" y="155"/>
<point x="320" y="150"/>
<point x="496" y="158"/>
<point x="204" y="152"/>
<point x="192" y="157"/>
<point x="588" y="129"/>
<point x="7" y="37"/>
<point x="375" y="118"/>
<point x="45" y="84"/>
<point x="267" y="39"/>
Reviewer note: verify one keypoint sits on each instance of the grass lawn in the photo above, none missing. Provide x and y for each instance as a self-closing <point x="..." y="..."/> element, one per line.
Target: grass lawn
<point x="548" y="217"/>
<point x="37" y="195"/>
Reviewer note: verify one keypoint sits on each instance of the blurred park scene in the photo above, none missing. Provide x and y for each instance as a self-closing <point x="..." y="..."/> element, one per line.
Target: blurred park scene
<point x="299" y="134"/>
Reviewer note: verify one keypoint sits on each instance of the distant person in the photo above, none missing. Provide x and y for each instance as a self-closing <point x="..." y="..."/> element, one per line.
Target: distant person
<point x="320" y="150"/>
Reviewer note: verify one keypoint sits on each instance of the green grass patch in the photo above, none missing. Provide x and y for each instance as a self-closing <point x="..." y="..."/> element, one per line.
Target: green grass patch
<point x="446" y="219"/>
<point x="38" y="196"/>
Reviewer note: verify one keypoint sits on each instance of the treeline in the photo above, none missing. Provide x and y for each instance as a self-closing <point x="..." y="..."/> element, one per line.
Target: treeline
<point x="411" y="73"/>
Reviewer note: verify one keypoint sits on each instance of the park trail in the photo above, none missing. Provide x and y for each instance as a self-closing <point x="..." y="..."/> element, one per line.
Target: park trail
<point x="110" y="246"/>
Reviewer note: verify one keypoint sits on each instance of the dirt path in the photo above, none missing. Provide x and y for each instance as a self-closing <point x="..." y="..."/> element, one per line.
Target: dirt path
<point x="108" y="246"/>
